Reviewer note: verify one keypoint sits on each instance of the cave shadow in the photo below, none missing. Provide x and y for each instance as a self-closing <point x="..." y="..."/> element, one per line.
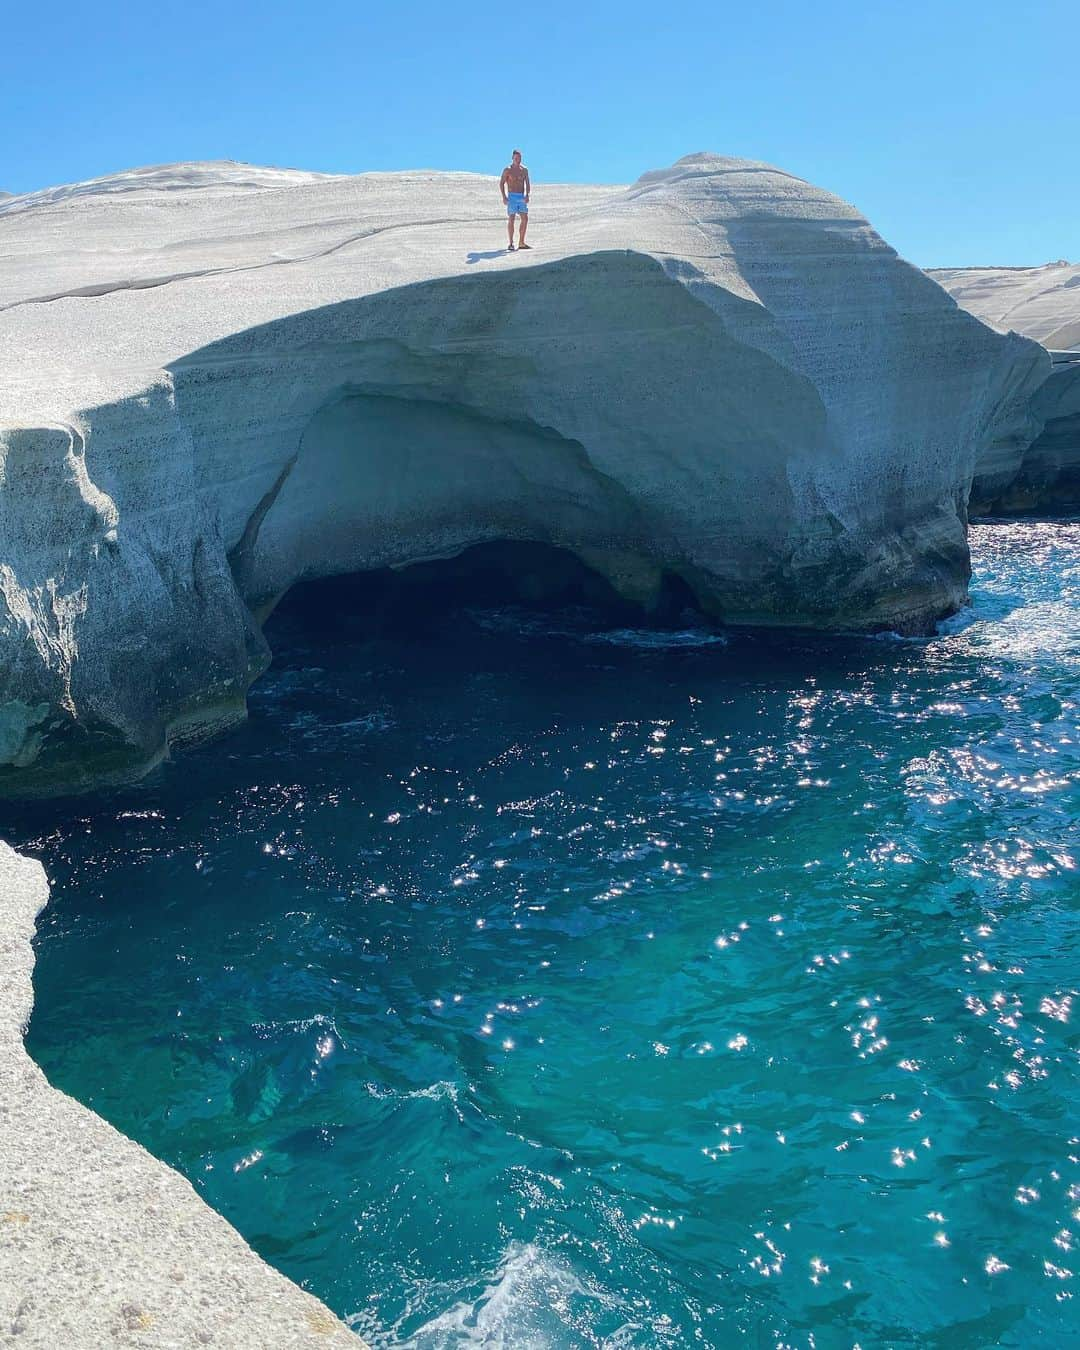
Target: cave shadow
<point x="482" y="257"/>
<point x="537" y="578"/>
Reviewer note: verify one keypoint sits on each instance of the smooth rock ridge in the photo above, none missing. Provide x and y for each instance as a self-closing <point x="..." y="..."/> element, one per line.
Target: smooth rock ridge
<point x="1042" y="303"/>
<point x="100" y="1243"/>
<point x="719" y="377"/>
<point x="215" y="175"/>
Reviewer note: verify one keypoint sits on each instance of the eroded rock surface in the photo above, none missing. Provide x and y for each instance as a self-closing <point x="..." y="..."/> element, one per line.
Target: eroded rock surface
<point x="217" y="381"/>
<point x="1042" y="303"/>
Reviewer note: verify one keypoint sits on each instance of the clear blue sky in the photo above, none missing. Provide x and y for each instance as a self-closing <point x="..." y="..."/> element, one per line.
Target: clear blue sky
<point x="954" y="126"/>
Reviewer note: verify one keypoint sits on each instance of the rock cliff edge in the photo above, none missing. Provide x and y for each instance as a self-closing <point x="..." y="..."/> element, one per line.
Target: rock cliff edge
<point x="1042" y="303"/>
<point x="217" y="380"/>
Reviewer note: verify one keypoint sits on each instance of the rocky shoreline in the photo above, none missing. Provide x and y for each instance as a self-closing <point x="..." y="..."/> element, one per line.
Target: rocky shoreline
<point x="100" y="1243"/>
<point x="218" y="382"/>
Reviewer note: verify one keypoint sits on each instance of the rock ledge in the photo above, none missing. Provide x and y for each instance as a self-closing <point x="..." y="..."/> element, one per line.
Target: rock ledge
<point x="100" y="1243"/>
<point x="217" y="381"/>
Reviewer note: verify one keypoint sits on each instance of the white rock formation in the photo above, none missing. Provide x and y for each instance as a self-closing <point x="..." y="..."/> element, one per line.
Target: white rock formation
<point x="1042" y="303"/>
<point x="216" y="380"/>
<point x="100" y="1243"/>
<point x="221" y="176"/>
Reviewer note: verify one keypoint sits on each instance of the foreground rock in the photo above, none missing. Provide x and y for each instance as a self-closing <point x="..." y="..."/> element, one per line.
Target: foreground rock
<point x="1042" y="303"/>
<point x="219" y="380"/>
<point x="101" y="1244"/>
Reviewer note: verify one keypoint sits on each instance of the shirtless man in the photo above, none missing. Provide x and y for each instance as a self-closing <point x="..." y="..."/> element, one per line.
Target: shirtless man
<point x="515" y="186"/>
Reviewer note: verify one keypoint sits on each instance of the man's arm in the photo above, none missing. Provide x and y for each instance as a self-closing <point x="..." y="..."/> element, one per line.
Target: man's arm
<point x="528" y="185"/>
<point x="502" y="185"/>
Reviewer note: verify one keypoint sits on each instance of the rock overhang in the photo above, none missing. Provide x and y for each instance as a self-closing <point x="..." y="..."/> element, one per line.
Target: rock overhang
<point x="720" y="374"/>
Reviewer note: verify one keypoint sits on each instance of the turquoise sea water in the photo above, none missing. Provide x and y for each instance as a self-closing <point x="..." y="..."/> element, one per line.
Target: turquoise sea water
<point x="520" y="982"/>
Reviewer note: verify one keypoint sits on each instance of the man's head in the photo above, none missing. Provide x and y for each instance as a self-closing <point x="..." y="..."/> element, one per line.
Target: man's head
<point x="516" y="156"/>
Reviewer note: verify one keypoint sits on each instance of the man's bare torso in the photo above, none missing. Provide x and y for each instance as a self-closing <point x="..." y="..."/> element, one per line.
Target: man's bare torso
<point x="515" y="177"/>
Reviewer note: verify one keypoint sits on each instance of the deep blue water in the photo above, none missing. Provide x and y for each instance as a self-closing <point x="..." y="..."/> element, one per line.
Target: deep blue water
<point x="523" y="983"/>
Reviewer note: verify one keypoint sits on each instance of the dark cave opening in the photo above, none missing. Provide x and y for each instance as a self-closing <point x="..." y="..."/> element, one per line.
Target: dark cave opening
<point x="533" y="576"/>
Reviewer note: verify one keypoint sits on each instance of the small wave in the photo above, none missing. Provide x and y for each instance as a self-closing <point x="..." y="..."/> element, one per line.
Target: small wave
<point x="280" y="684"/>
<point x="369" y="722"/>
<point x="441" y="1091"/>
<point x="523" y="623"/>
<point x="1026" y="633"/>
<point x="656" y="639"/>
<point x="580" y="626"/>
<point x="523" y="1306"/>
<point x="317" y="1021"/>
<point x="956" y="623"/>
<point x="311" y="727"/>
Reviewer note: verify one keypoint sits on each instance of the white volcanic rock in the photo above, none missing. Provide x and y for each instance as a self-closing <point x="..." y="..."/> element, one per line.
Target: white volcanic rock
<point x="222" y="175"/>
<point x="1042" y="303"/>
<point x="213" y="385"/>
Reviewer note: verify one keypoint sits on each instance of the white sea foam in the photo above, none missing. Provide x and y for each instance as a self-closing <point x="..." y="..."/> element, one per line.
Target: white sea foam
<point x="310" y="726"/>
<point x="442" y="1091"/>
<point x="658" y="639"/>
<point x="1028" y="632"/>
<point x="574" y="625"/>
<point x="524" y="1304"/>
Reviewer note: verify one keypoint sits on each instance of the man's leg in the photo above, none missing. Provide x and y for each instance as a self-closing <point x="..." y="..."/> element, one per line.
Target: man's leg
<point x="510" y="229"/>
<point x="524" y="225"/>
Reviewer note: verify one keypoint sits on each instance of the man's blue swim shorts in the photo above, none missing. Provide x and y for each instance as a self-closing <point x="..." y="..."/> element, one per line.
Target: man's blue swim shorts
<point x="516" y="205"/>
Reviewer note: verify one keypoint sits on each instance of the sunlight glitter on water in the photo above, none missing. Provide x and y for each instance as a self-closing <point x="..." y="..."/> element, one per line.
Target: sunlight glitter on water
<point x="538" y="989"/>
